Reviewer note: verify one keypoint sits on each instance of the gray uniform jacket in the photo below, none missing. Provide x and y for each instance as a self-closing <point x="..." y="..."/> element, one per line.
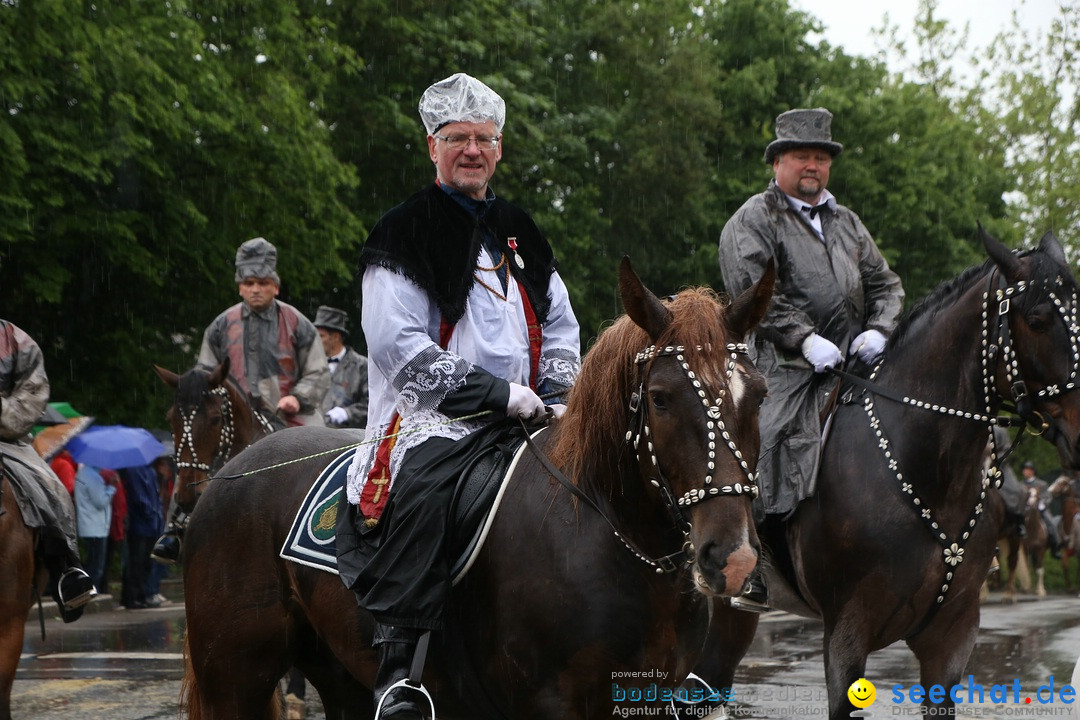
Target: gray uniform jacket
<point x="349" y="390"/>
<point x="24" y="392"/>
<point x="272" y="354"/>
<point x="837" y="288"/>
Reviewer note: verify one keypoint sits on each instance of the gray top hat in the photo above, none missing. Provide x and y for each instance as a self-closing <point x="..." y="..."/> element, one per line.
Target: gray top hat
<point x="330" y="318"/>
<point x="257" y="258"/>
<point x="803" y="128"/>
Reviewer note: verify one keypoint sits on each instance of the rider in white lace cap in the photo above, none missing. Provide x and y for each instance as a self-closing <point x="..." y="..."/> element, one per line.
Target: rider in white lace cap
<point x="451" y="278"/>
<point x="461" y="98"/>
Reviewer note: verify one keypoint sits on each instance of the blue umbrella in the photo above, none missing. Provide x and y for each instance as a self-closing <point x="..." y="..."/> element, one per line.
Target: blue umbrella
<point x="115" y="447"/>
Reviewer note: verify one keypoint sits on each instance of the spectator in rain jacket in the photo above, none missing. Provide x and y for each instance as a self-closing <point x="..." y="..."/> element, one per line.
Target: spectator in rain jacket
<point x="93" y="512"/>
<point x="144" y="526"/>
<point x="117" y="523"/>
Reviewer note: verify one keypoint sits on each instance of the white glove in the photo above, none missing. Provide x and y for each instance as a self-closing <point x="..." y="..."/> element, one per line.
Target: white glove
<point x="557" y="410"/>
<point x="337" y="415"/>
<point x="821" y="353"/>
<point x="524" y="403"/>
<point x="868" y="346"/>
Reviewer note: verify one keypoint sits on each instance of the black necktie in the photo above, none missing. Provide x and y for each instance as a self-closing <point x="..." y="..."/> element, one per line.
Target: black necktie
<point x="334" y="360"/>
<point x="815" y="209"/>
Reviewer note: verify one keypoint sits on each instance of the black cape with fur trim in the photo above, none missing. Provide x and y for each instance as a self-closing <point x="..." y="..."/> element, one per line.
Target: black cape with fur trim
<point x="434" y="242"/>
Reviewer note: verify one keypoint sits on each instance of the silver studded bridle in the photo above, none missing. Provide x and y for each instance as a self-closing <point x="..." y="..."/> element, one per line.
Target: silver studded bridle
<point x="715" y="425"/>
<point x="639" y="430"/>
<point x="225" y="437"/>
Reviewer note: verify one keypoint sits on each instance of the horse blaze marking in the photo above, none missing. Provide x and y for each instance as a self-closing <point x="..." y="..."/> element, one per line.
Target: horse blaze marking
<point x="737" y="387"/>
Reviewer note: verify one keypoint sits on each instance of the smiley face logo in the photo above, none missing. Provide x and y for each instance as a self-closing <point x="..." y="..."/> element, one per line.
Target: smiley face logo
<point x="862" y="693"/>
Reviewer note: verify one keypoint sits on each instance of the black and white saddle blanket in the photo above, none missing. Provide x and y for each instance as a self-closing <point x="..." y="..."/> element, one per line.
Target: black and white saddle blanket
<point x="476" y="500"/>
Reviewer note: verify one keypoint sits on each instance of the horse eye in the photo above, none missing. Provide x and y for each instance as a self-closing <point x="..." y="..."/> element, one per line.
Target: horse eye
<point x="659" y="400"/>
<point x="1040" y="319"/>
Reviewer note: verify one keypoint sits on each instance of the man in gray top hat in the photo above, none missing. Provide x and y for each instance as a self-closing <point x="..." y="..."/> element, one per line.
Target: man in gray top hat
<point x="345" y="405"/>
<point x="272" y="348"/>
<point x="835" y="298"/>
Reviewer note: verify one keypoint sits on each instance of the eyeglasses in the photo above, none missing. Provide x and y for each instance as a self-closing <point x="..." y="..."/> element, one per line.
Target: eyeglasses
<point x="460" y="142"/>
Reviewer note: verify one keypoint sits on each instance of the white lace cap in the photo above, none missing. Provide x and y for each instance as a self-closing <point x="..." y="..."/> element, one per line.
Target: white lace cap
<point x="461" y="98"/>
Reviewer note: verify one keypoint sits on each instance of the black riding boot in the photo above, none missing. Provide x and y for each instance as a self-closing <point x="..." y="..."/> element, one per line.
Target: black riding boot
<point x="70" y="585"/>
<point x="74" y="590"/>
<point x="396" y="647"/>
<point x="167" y="548"/>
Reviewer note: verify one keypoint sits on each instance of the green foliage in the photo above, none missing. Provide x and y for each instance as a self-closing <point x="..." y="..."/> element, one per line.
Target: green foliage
<point x="148" y="141"/>
<point x="144" y="141"/>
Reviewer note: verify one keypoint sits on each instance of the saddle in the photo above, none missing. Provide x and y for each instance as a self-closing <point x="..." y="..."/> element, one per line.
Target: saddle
<point x="311" y="537"/>
<point x="476" y="500"/>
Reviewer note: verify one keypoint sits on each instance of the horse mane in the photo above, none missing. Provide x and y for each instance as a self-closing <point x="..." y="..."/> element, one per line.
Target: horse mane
<point x="1041" y="267"/>
<point x="590" y="439"/>
<point x="939" y="298"/>
<point x="193" y="384"/>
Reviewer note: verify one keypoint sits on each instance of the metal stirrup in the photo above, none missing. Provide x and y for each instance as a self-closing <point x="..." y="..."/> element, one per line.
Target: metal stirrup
<point x="412" y="681"/>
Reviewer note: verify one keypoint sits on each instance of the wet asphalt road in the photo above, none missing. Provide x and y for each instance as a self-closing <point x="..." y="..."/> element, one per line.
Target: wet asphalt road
<point x="116" y="664"/>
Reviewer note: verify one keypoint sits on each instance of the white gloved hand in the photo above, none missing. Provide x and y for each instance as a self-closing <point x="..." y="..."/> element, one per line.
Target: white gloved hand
<point x="524" y="403"/>
<point x="821" y="353"/>
<point x="557" y="410"/>
<point x="868" y="346"/>
<point x="337" y="415"/>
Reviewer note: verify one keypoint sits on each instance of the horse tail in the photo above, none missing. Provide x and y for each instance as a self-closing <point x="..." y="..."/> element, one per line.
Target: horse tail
<point x="190" y="694"/>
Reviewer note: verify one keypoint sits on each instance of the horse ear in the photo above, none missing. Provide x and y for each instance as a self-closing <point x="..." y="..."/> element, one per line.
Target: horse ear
<point x="642" y="306"/>
<point x="1005" y="259"/>
<point x="218" y="374"/>
<point x="167" y="376"/>
<point x="1050" y="245"/>
<point x="747" y="310"/>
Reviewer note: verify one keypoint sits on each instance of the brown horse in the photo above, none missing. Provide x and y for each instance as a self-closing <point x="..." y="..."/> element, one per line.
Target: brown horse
<point x="24" y="579"/>
<point x="211" y="421"/>
<point x="1065" y="490"/>
<point x="571" y="601"/>
<point x="894" y="544"/>
<point x="1033" y="546"/>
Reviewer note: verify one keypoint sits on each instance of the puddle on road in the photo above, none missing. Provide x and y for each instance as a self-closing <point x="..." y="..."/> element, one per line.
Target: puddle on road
<point x="105" y="645"/>
<point x="1007" y="647"/>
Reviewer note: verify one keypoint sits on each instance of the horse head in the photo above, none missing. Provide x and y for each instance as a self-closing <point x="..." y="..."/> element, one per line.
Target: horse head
<point x="203" y="419"/>
<point x="695" y="422"/>
<point x="1038" y="340"/>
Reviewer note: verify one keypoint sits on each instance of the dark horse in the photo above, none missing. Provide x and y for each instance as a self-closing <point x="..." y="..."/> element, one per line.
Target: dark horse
<point x="24" y="579"/>
<point x="897" y="540"/>
<point x="557" y="613"/>
<point x="211" y="421"/>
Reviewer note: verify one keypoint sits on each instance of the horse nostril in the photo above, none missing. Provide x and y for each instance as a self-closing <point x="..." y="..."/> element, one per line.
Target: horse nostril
<point x="712" y="561"/>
